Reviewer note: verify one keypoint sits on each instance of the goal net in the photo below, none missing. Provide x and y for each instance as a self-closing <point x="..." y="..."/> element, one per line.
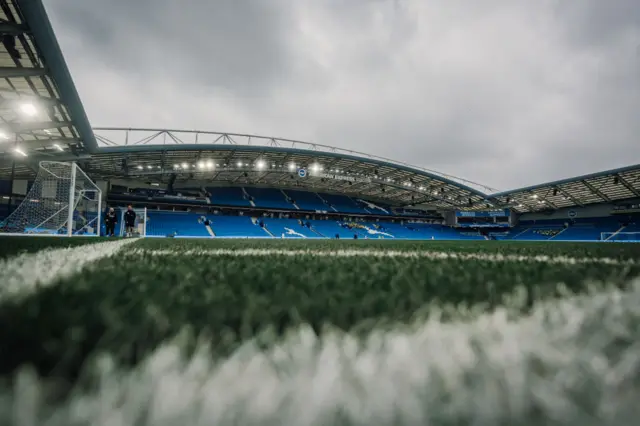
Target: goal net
<point x="139" y="225"/>
<point x="61" y="201"/>
<point x="631" y="237"/>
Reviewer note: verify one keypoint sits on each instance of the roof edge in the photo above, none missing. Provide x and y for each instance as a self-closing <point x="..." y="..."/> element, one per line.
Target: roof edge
<point x="566" y="180"/>
<point x="39" y="24"/>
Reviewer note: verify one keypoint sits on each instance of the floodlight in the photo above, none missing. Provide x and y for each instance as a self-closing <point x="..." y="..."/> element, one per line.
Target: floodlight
<point x="421" y="188"/>
<point x="239" y="163"/>
<point x="201" y="165"/>
<point x="184" y="165"/>
<point x="19" y="151"/>
<point x="58" y="147"/>
<point x="534" y="196"/>
<point x="209" y="164"/>
<point x="176" y="166"/>
<point x="315" y="167"/>
<point x="3" y="135"/>
<point x="28" y="109"/>
<point x="260" y="164"/>
<point x="292" y="166"/>
<point x="149" y="167"/>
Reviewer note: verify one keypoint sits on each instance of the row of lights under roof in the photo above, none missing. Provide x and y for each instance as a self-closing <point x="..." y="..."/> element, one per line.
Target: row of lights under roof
<point x="262" y="165"/>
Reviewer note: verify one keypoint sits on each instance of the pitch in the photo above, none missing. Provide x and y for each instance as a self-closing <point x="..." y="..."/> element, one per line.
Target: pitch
<point x="293" y="332"/>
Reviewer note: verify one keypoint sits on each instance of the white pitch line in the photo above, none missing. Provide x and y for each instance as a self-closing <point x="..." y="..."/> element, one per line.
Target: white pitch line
<point x="23" y="274"/>
<point x="413" y="254"/>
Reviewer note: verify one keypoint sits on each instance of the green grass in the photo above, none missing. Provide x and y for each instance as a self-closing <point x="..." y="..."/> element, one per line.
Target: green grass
<point x="15" y="245"/>
<point x="131" y="304"/>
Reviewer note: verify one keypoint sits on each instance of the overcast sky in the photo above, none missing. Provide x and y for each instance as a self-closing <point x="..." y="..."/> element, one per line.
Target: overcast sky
<point x="504" y="92"/>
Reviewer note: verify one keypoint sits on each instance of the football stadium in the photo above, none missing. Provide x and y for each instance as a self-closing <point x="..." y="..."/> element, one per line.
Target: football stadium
<point x="153" y="276"/>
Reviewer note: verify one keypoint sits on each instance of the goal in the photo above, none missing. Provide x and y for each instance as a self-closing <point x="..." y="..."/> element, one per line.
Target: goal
<point x="62" y="201"/>
<point x="630" y="237"/>
<point x="140" y="228"/>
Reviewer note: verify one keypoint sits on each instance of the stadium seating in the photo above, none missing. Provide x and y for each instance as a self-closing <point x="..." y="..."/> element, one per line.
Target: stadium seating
<point x="228" y="196"/>
<point x="237" y="227"/>
<point x="268" y="198"/>
<point x="161" y="223"/>
<point x="342" y="203"/>
<point x="308" y="201"/>
<point x="288" y="228"/>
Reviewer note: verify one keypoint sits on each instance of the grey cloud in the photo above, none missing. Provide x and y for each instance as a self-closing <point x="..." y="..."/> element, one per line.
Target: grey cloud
<point x="502" y="92"/>
<point x="236" y="46"/>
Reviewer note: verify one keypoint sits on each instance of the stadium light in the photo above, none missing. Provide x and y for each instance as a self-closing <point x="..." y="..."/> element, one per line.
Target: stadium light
<point x="239" y="164"/>
<point x="3" y="135"/>
<point x="28" y="109"/>
<point x="209" y="164"/>
<point x="201" y="165"/>
<point x="315" y="167"/>
<point x="260" y="164"/>
<point x="19" y="151"/>
<point x="534" y="196"/>
<point x="58" y="147"/>
<point x="421" y="188"/>
<point x="149" y="167"/>
<point x="292" y="166"/>
<point x="184" y="165"/>
<point x="176" y="166"/>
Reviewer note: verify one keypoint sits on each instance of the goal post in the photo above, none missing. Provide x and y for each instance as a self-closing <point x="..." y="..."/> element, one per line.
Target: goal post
<point x="62" y="201"/>
<point x="618" y="237"/>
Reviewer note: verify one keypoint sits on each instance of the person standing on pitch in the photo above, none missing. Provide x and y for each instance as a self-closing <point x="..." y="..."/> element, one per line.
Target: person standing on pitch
<point x="129" y="220"/>
<point x="110" y="220"/>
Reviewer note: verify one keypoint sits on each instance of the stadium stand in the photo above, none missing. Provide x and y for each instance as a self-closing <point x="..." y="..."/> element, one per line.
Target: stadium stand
<point x="304" y="200"/>
<point x="228" y="196"/>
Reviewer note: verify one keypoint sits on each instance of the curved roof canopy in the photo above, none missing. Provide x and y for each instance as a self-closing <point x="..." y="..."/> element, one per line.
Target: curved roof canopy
<point x="609" y="186"/>
<point x="159" y="155"/>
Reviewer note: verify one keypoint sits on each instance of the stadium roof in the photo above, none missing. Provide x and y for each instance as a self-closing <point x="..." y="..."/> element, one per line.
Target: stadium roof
<point x="603" y="187"/>
<point x="225" y="158"/>
<point x="42" y="118"/>
<point x="40" y="111"/>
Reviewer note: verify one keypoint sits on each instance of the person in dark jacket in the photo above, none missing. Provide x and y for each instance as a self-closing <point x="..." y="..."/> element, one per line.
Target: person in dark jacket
<point x="110" y="220"/>
<point x="129" y="220"/>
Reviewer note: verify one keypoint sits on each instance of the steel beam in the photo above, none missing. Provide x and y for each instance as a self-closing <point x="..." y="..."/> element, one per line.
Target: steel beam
<point x="29" y="126"/>
<point x="595" y="191"/>
<point x="569" y="196"/>
<point x="38" y="100"/>
<point x="46" y="143"/>
<point x="16" y="72"/>
<point x="13" y="29"/>
<point x="627" y="185"/>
